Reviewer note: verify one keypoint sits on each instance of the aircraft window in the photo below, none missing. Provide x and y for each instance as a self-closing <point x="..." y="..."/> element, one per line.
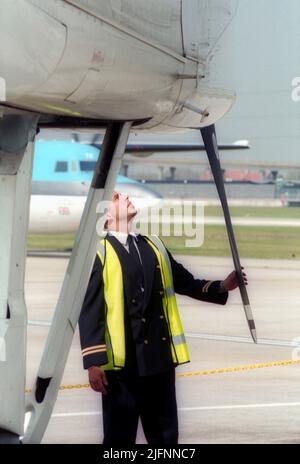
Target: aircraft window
<point x="87" y="165"/>
<point x="61" y="166"/>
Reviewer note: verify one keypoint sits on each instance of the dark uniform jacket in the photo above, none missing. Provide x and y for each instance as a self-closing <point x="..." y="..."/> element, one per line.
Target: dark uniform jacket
<point x="146" y="331"/>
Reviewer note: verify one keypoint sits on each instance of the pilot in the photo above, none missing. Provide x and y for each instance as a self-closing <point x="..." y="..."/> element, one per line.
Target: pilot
<point x="130" y="330"/>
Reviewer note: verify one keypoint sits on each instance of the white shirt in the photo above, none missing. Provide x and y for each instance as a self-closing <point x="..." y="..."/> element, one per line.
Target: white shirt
<point x="122" y="237"/>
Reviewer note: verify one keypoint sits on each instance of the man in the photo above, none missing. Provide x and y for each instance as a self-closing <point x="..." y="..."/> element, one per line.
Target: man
<point x="130" y="329"/>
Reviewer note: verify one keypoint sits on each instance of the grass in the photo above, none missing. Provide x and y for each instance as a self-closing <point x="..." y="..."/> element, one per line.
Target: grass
<point x="257" y="212"/>
<point x="253" y="242"/>
<point x="58" y="242"/>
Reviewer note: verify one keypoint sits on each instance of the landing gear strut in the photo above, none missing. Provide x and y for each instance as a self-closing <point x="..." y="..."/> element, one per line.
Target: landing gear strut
<point x="211" y="146"/>
<point x="74" y="286"/>
<point x="17" y="132"/>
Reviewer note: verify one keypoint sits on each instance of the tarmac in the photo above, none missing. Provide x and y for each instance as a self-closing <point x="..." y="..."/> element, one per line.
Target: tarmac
<point x="232" y="391"/>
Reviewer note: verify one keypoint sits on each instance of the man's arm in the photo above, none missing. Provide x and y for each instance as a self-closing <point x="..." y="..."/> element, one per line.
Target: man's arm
<point x="92" y="321"/>
<point x="204" y="290"/>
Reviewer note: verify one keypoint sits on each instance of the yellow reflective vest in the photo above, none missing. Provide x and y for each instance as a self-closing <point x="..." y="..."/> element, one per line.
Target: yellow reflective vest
<point x="114" y="300"/>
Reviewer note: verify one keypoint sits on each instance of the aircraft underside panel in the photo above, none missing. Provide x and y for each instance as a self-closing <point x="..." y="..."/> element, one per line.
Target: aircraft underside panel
<point x="25" y="68"/>
<point x="17" y="132"/>
<point x="203" y="24"/>
<point x="106" y="72"/>
<point x="155" y="20"/>
<point x="117" y="60"/>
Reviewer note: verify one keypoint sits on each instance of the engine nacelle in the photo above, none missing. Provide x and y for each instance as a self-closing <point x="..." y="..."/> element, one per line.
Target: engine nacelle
<point x="168" y="62"/>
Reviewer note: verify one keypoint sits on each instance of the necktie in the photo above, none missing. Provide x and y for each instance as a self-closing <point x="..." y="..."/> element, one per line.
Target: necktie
<point x="133" y="251"/>
<point x="135" y="256"/>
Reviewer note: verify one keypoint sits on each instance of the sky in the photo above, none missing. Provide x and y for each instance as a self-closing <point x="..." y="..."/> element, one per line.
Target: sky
<point x="267" y="59"/>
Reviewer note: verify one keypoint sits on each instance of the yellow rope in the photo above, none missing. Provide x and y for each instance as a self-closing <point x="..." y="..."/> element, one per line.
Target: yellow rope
<point x="207" y="372"/>
<point x="240" y="368"/>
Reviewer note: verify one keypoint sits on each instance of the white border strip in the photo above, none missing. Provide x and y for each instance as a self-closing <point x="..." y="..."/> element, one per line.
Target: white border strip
<point x="228" y="407"/>
<point x="236" y="339"/>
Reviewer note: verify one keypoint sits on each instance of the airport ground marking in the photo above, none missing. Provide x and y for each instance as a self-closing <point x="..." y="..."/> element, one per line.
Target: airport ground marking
<point x="224" y="370"/>
<point x="225" y="407"/>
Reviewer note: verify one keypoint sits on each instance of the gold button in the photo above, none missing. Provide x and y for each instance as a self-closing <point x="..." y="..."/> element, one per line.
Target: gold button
<point x="161" y="317"/>
<point x="133" y="301"/>
<point x="161" y="292"/>
<point x="164" y="339"/>
<point x="146" y="342"/>
<point x="143" y="320"/>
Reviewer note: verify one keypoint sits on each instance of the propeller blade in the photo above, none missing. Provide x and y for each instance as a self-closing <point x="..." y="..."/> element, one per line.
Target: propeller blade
<point x="211" y="146"/>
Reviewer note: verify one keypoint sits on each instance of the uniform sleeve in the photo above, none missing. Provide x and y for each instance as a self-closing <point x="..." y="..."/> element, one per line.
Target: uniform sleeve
<point x="204" y="290"/>
<point x="92" y="320"/>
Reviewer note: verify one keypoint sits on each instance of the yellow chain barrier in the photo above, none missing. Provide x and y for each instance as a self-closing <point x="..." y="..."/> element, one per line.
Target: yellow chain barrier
<point x="207" y="372"/>
<point x="240" y="368"/>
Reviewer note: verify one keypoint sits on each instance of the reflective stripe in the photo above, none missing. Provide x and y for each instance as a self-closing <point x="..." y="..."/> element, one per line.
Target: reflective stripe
<point x="95" y="347"/>
<point x="205" y="288"/>
<point x="154" y="239"/>
<point x="179" y="339"/>
<point x="179" y="349"/>
<point x="101" y="251"/>
<point x="169" y="291"/>
<point x="114" y="299"/>
<point x="103" y="350"/>
<point x="113" y="285"/>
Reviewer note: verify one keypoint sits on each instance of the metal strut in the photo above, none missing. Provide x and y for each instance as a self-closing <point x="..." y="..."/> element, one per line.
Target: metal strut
<point x="42" y="400"/>
<point x="17" y="132"/>
<point x="211" y="146"/>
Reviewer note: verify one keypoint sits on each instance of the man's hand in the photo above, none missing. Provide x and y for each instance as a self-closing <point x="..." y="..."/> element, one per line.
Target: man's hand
<point x="231" y="281"/>
<point x="97" y="379"/>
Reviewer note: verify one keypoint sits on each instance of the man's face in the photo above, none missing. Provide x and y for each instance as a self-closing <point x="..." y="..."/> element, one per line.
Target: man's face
<point x="121" y="208"/>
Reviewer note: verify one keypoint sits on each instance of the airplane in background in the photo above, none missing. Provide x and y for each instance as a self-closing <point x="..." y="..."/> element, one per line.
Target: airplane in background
<point x="61" y="178"/>
<point x="63" y="172"/>
<point x="147" y="65"/>
<point x="64" y="167"/>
